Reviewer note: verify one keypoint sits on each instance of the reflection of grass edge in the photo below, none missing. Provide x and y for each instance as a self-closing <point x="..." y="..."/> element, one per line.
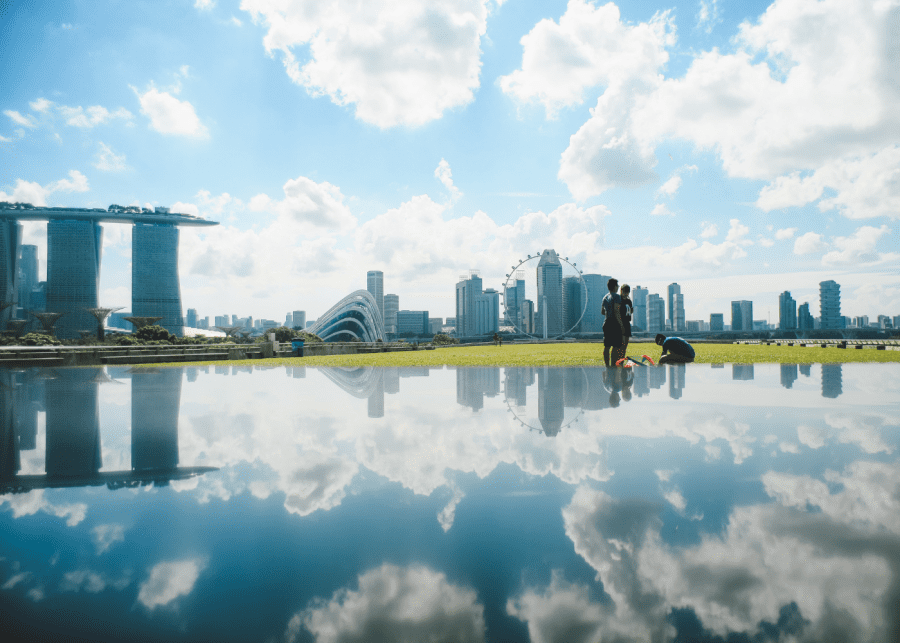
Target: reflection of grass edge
<point x="568" y="355"/>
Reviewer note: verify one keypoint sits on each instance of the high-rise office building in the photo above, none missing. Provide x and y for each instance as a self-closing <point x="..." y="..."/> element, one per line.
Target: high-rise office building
<point x="28" y="278"/>
<point x="468" y="287"/>
<point x="672" y="290"/>
<point x="527" y="316"/>
<point x="639" y="316"/>
<point x="391" y="306"/>
<point x="805" y="319"/>
<point x="412" y="321"/>
<point x="513" y="296"/>
<point x="716" y="322"/>
<point x="549" y="315"/>
<point x="573" y="303"/>
<point x="830" y="304"/>
<point x="742" y="315"/>
<point x="787" y="311"/>
<point x="73" y="273"/>
<point x="375" y="286"/>
<point x="595" y="286"/>
<point x="656" y="314"/>
<point x="155" y="291"/>
<point x="191" y="320"/>
<point x="487" y="312"/>
<point x="861" y="322"/>
<point x="299" y="319"/>
<point x="10" y="240"/>
<point x="678" y="323"/>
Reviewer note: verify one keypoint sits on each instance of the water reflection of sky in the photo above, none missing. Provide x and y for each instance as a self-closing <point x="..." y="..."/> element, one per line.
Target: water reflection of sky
<point x="452" y="504"/>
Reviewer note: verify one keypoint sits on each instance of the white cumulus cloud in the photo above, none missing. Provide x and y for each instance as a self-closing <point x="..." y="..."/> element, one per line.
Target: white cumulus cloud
<point x="108" y="160"/>
<point x="399" y="63"/>
<point x="169" y="580"/>
<point x="168" y="115"/>
<point x="37" y="194"/>
<point x="445" y="176"/>
<point x="810" y="243"/>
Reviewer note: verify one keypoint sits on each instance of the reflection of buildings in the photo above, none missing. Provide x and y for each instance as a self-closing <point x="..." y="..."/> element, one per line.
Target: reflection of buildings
<point x="788" y="375"/>
<point x="806" y="370"/>
<point x="551" y="400"/>
<point x="376" y="399"/>
<point x="831" y="380"/>
<point x="73" y="441"/>
<point x="742" y="371"/>
<point x="155" y="401"/>
<point x="516" y="385"/>
<point x="676" y="380"/>
<point x="472" y="384"/>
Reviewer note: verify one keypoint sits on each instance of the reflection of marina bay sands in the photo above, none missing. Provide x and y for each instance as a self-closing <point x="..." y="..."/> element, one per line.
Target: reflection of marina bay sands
<point x="74" y="242"/>
<point x="69" y="398"/>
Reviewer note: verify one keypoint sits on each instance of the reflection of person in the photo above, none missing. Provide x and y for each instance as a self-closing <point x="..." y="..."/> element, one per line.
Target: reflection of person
<point x="613" y="328"/>
<point x="678" y="350"/>
<point x="627" y="309"/>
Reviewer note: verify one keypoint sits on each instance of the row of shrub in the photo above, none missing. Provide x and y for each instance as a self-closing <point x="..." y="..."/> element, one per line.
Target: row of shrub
<point x="149" y="336"/>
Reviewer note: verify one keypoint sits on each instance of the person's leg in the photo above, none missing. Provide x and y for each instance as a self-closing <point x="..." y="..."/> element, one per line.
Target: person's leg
<point x="606" y="354"/>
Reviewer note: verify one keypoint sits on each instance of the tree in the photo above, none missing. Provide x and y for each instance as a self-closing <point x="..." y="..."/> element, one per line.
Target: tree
<point x="154" y="334"/>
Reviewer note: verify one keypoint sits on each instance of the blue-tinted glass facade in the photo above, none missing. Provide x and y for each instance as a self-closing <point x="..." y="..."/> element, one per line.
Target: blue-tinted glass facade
<point x="356" y="316"/>
<point x="155" y="291"/>
<point x="10" y="238"/>
<point x="73" y="273"/>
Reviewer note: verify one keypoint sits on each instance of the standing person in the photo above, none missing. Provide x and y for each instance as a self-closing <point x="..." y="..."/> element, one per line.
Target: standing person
<point x="679" y="351"/>
<point x="627" y="310"/>
<point x="613" y="328"/>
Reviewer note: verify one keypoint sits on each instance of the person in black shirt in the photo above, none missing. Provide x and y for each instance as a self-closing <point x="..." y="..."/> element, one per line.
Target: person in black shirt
<point x="613" y="328"/>
<point x="678" y="350"/>
<point x="627" y="309"/>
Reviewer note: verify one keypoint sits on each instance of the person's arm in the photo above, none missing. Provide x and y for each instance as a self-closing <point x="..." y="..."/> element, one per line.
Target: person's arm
<point x="618" y="314"/>
<point x="665" y="350"/>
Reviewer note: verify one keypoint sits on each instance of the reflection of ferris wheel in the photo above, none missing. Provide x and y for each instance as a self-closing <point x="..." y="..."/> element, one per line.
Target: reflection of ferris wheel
<point x="545" y="296"/>
<point x="565" y="409"/>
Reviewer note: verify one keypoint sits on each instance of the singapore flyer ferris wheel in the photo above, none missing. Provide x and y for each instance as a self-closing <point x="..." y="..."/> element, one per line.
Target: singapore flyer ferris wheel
<point x="544" y="296"/>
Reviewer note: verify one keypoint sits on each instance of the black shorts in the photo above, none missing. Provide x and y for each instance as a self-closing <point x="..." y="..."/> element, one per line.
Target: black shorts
<point x="613" y="340"/>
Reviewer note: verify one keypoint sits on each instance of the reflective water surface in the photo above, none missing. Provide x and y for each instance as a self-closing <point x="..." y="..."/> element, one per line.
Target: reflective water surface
<point x="679" y="503"/>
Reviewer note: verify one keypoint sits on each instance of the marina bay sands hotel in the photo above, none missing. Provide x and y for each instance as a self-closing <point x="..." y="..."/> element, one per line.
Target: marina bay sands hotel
<point x="74" y="238"/>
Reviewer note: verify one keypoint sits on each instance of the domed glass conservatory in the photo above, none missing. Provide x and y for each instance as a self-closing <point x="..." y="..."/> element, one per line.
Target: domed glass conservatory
<point x="356" y="316"/>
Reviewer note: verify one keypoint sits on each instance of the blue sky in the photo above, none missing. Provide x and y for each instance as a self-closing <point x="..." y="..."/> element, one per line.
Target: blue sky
<point x="739" y="149"/>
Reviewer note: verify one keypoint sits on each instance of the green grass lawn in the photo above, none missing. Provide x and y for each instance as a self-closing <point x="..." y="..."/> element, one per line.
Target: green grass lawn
<point x="576" y="355"/>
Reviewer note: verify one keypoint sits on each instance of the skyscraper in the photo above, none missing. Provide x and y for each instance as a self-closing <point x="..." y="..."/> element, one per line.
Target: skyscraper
<point x="73" y="273"/>
<point x="639" y="317"/>
<point x="391" y="306"/>
<point x="679" y="324"/>
<point x="595" y="285"/>
<point x="10" y="238"/>
<point x="375" y="285"/>
<point x="191" y="321"/>
<point x="487" y="312"/>
<point x="513" y="296"/>
<point x="830" y="304"/>
<point x="573" y="303"/>
<point x="742" y="315"/>
<point x="155" y="291"/>
<point x="716" y="321"/>
<point x="549" y="315"/>
<point x="787" y="311"/>
<point x="656" y="314"/>
<point x="28" y="276"/>
<point x="805" y="319"/>
<point x="674" y="289"/>
<point x="468" y="287"/>
<point x="299" y="319"/>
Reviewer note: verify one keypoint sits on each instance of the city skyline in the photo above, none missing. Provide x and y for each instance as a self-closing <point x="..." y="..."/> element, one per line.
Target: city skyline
<point x="599" y="130"/>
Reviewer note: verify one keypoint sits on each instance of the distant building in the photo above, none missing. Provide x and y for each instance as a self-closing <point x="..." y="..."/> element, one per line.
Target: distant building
<point x="28" y="278"/>
<point x="694" y="326"/>
<point x="435" y="325"/>
<point x="716" y="322"/>
<point x="830" y="305"/>
<point x="805" y="320"/>
<point x="787" y="311"/>
<point x="191" y="320"/>
<point x="467" y="289"/>
<point x="356" y="316"/>
<point x="487" y="312"/>
<point x="595" y="285"/>
<point x="573" y="303"/>
<point x="73" y="273"/>
<point x="639" y="317"/>
<point x="884" y="322"/>
<point x="412" y="321"/>
<point x="513" y="296"/>
<point x="676" y="308"/>
<point x="299" y="319"/>
<point x="861" y="322"/>
<point x="391" y="306"/>
<point x="375" y="286"/>
<point x="896" y="321"/>
<point x="742" y="315"/>
<point x="678" y="324"/>
<point x="656" y="312"/>
<point x="10" y="240"/>
<point x="527" y="314"/>
<point x="549" y="295"/>
<point x="155" y="291"/>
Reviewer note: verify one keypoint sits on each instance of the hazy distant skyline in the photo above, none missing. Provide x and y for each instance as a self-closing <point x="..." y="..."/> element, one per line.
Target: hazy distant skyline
<point x="739" y="150"/>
